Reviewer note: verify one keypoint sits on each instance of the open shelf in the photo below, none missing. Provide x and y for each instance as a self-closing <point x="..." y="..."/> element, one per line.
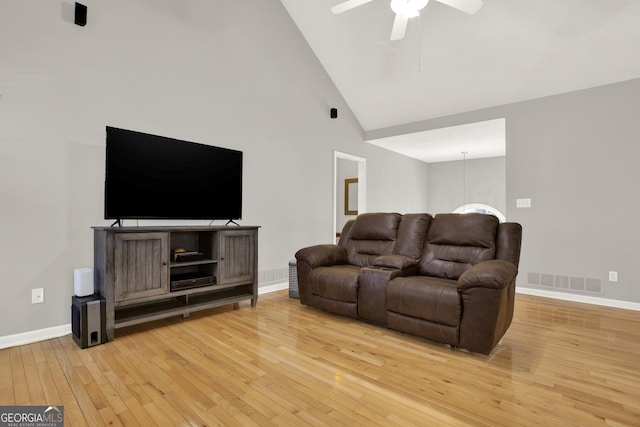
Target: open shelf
<point x="176" y="306"/>
<point x="177" y="264"/>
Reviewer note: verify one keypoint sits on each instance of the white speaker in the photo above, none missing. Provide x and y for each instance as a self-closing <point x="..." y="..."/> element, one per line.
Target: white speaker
<point x="83" y="281"/>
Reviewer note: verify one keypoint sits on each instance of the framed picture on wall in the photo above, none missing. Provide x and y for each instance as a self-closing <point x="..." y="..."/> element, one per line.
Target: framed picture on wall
<point x="351" y="196"/>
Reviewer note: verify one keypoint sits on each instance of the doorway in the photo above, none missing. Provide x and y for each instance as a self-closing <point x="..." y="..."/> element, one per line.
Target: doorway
<point x="349" y="177"/>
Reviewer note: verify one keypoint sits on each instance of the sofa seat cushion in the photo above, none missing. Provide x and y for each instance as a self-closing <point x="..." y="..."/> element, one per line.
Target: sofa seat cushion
<point x="427" y="298"/>
<point x="338" y="282"/>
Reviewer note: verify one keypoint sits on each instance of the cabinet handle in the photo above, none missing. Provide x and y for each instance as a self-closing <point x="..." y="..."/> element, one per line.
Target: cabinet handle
<point x="221" y="258"/>
<point x="164" y="262"/>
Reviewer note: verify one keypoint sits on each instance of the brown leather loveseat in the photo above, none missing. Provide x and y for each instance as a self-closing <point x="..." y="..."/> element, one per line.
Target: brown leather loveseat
<point x="448" y="278"/>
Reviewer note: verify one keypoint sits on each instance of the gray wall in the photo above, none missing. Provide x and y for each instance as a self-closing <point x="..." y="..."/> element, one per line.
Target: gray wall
<point x="485" y="183"/>
<point x="234" y="74"/>
<point x="575" y="155"/>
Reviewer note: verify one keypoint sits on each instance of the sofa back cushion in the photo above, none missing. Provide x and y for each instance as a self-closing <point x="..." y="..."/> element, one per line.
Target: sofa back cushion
<point x="457" y="242"/>
<point x="411" y="234"/>
<point x="508" y="242"/>
<point x="346" y="233"/>
<point x="372" y="235"/>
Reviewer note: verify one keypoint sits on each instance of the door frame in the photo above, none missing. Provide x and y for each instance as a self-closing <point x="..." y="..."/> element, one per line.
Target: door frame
<point x="362" y="185"/>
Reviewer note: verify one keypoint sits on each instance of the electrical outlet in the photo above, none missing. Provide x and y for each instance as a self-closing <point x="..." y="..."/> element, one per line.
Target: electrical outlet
<point x="613" y="276"/>
<point x="523" y="203"/>
<point x="37" y="296"/>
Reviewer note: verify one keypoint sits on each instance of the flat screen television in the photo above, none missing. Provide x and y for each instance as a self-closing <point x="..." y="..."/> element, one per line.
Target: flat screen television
<point x="155" y="177"/>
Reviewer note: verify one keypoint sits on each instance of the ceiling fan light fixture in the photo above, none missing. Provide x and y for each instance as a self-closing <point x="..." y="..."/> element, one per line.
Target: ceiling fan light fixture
<point x="408" y="8"/>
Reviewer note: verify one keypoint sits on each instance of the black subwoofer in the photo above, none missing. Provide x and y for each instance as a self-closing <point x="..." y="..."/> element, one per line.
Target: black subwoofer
<point x="88" y="320"/>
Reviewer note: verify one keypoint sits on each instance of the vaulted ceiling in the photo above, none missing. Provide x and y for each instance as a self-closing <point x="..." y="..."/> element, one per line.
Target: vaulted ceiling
<point x="450" y="62"/>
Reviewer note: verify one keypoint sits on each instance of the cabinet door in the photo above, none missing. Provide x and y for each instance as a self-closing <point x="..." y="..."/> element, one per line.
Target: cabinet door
<point x="237" y="256"/>
<point x="141" y="265"/>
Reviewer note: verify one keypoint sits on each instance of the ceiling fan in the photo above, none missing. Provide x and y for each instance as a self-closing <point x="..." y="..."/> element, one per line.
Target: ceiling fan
<point x="405" y="9"/>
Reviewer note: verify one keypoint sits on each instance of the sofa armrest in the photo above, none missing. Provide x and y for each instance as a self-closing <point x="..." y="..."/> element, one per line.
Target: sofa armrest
<point x="372" y="291"/>
<point x="487" y="290"/>
<point x="394" y="261"/>
<point x="322" y="255"/>
<point x="313" y="257"/>
<point x="493" y="274"/>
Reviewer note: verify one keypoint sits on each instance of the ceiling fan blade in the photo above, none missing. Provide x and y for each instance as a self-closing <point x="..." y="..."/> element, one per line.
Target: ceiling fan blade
<point x="469" y="6"/>
<point x="348" y="5"/>
<point x="399" y="27"/>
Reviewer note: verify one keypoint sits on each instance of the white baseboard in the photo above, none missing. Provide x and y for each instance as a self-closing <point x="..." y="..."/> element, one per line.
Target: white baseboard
<point x="34" y="336"/>
<point x="580" y="298"/>
<point x="59" y="331"/>
<point x="273" y="288"/>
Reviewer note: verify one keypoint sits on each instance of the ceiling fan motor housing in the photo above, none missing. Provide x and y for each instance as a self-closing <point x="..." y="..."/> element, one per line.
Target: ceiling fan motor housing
<point x="408" y="8"/>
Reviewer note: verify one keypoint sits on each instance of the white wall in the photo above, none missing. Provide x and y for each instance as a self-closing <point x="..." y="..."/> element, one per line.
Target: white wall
<point x="394" y="187"/>
<point x="485" y="183"/>
<point x="233" y="74"/>
<point x="575" y="155"/>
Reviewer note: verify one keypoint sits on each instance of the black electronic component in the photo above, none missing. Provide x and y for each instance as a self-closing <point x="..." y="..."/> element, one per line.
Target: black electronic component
<point x="81" y="15"/>
<point x="88" y="320"/>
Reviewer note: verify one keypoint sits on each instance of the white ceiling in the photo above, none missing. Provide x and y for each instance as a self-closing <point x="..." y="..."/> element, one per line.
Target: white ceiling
<point x="450" y="62"/>
<point x="475" y="140"/>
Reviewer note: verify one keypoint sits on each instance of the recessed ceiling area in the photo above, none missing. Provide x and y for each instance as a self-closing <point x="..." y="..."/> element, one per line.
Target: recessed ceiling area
<point x="476" y="140"/>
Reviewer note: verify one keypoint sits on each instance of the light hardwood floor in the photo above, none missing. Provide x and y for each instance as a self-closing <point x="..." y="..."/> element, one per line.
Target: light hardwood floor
<point x="281" y="363"/>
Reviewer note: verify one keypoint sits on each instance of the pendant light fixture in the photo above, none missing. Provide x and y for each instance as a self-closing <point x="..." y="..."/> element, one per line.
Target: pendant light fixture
<point x="464" y="180"/>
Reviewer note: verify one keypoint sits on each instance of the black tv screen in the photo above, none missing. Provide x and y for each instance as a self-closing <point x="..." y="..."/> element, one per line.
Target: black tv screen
<point x="155" y="177"/>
